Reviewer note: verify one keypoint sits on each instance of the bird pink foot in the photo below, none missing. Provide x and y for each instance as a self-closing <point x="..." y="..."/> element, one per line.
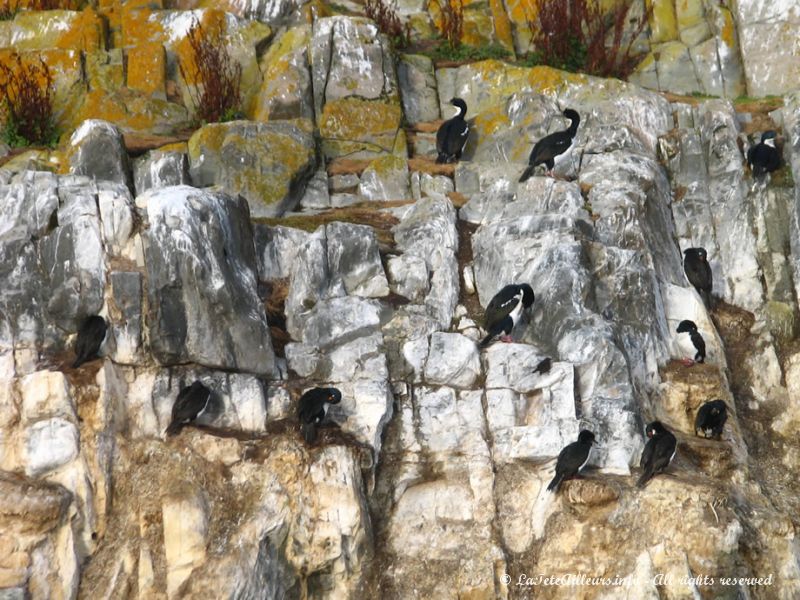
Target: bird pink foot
<point x="687" y="362"/>
<point x="506" y="338"/>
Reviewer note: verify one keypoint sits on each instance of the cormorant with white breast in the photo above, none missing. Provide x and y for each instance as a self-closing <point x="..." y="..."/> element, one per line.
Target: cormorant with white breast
<point x="191" y="403"/>
<point x="764" y="157"/>
<point x="313" y="408"/>
<point x="452" y="135"/>
<point x="550" y="146"/>
<point x="658" y="452"/>
<point x="504" y="310"/>
<point x="698" y="272"/>
<point x="690" y="343"/>
<point x="91" y="334"/>
<point x="711" y="419"/>
<point x="572" y="459"/>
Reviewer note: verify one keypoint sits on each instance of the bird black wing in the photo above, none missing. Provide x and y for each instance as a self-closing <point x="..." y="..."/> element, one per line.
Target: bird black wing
<point x="701" y="420"/>
<point x="700" y="344"/>
<point x="698" y="272"/>
<point x="549" y="147"/>
<point x="91" y="334"/>
<point x="312" y="406"/>
<point x="189" y="403"/>
<point x="451" y="137"/>
<point x="663" y="449"/>
<point x="647" y="453"/>
<point x="572" y="457"/>
<point x="501" y="305"/>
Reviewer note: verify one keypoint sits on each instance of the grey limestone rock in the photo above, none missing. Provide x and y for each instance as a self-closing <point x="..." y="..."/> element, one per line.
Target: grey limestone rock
<point x="201" y="270"/>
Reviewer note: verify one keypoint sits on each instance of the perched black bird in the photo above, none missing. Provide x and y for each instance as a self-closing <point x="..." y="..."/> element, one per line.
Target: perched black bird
<point x="313" y="407"/>
<point x="764" y="157"/>
<point x="550" y="146"/>
<point x="91" y="334"/>
<point x="698" y="272"/>
<point x="690" y="343"/>
<point x="572" y="459"/>
<point x="658" y="452"/>
<point x="191" y="403"/>
<point x="544" y="366"/>
<point x="504" y="311"/>
<point x="452" y="135"/>
<point x="711" y="419"/>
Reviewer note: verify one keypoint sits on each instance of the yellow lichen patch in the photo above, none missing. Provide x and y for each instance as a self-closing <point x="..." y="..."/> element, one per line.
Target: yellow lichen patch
<point x="139" y="26"/>
<point x="727" y="31"/>
<point x="104" y="70"/>
<point x="259" y="163"/>
<point x="179" y="147"/>
<point x="282" y="80"/>
<point x="147" y="69"/>
<point x="502" y="25"/>
<point x="491" y="120"/>
<point x="88" y="33"/>
<point x="663" y="21"/>
<point x="101" y="105"/>
<point x="357" y="119"/>
<point x="64" y="29"/>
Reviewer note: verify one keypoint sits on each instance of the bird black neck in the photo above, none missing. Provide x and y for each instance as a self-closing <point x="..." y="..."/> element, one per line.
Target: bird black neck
<point x="573" y="126"/>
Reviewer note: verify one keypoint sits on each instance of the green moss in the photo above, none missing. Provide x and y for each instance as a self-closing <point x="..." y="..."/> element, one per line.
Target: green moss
<point x="465" y="53"/>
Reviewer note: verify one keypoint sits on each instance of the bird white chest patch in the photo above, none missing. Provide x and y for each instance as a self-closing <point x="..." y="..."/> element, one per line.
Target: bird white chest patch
<point x="517" y="310"/>
<point x="586" y="462"/>
<point x="684" y="346"/>
<point x="325" y="407"/>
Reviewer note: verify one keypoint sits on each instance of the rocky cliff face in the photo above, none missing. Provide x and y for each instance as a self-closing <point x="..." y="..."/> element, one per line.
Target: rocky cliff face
<point x="429" y="481"/>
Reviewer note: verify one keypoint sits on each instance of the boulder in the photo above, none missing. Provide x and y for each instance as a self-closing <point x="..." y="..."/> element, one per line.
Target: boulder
<point x="265" y="163"/>
<point x="201" y="270"/>
<point x="97" y="150"/>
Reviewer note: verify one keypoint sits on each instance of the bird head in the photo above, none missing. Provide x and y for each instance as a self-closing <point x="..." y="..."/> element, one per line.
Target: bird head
<point x="527" y="295"/>
<point x="768" y="137"/>
<point x="686" y="326"/>
<point x="586" y="436"/>
<point x="334" y="396"/>
<point x="572" y="115"/>
<point x="696" y="252"/>
<point x="461" y="105"/>
<point x="654" y="428"/>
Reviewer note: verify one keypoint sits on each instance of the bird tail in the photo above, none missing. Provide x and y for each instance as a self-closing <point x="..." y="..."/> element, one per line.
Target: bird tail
<point x="527" y="173"/>
<point x="543" y="366"/>
<point x="706" y="297"/>
<point x="487" y="340"/>
<point x="174" y="428"/>
<point x="553" y="487"/>
<point x="78" y="362"/>
<point x="309" y="432"/>
<point x="441" y="158"/>
<point x="645" y="477"/>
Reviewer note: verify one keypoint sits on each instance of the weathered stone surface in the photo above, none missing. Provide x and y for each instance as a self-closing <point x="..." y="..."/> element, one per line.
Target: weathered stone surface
<point x="201" y="281"/>
<point x="356" y="99"/>
<point x="266" y="163"/>
<point x="452" y="360"/>
<point x="770" y="50"/>
<point x="417" y="84"/>
<point x="286" y="90"/>
<point x="386" y="178"/>
<point x="97" y="150"/>
<point x="336" y="260"/>
<point x="429" y="232"/>
<point x="159" y="169"/>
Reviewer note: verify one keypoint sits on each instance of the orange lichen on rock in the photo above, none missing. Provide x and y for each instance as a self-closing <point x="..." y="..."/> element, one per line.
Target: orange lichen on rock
<point x="213" y="26"/>
<point x="147" y="69"/>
